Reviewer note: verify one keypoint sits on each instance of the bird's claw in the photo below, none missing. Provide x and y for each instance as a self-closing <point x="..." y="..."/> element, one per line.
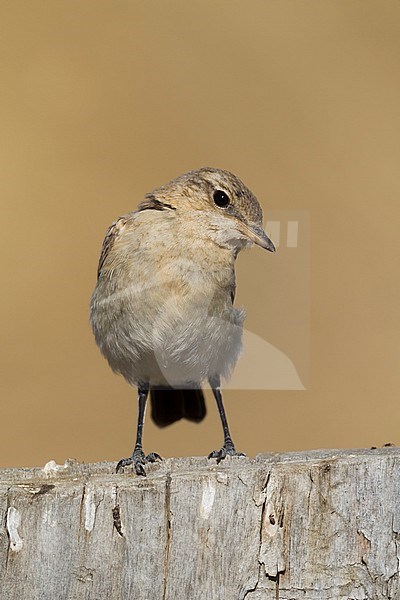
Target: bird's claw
<point x="226" y="450"/>
<point x="138" y="459"/>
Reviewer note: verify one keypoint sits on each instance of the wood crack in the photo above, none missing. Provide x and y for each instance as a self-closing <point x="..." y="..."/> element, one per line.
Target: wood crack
<point x="116" y="513"/>
<point x="168" y="518"/>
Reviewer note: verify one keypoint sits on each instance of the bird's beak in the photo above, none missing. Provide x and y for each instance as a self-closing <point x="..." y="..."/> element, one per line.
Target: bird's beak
<point x="258" y="236"/>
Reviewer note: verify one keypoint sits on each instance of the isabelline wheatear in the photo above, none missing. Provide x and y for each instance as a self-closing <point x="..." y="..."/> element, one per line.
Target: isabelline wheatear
<point x="163" y="310"/>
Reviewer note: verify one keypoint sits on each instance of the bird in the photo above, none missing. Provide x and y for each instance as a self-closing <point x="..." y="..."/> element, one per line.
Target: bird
<point x="162" y="311"/>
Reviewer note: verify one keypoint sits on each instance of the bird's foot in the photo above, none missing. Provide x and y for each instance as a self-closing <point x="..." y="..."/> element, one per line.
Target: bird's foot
<point x="228" y="449"/>
<point x="138" y="459"/>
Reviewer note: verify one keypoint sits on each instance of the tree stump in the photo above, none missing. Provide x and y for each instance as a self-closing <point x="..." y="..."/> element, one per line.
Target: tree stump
<point x="321" y="525"/>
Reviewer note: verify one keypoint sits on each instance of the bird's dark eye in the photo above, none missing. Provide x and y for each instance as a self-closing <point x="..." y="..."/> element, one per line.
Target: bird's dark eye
<point x="221" y="199"/>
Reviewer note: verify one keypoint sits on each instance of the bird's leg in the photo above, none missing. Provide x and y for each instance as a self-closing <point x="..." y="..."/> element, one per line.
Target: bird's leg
<point x="228" y="449"/>
<point x="138" y="458"/>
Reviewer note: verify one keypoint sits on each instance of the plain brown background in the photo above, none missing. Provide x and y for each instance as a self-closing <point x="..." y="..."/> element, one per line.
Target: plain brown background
<point x="101" y="101"/>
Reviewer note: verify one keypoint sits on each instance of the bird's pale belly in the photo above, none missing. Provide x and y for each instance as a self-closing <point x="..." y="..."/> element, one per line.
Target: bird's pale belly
<point x="171" y="346"/>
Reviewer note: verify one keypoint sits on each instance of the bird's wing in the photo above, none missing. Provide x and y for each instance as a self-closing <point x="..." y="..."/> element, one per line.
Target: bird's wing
<point x="113" y="232"/>
<point x="129" y="221"/>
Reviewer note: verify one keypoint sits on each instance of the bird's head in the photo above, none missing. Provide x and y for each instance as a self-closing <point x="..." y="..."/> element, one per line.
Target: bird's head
<point x="216" y="202"/>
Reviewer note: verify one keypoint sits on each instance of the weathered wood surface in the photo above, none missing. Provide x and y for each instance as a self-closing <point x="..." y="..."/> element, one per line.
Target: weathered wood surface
<point x="320" y="525"/>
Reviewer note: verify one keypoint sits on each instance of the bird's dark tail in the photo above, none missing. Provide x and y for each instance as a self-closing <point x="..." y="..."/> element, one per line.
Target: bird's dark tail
<point x="169" y="405"/>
